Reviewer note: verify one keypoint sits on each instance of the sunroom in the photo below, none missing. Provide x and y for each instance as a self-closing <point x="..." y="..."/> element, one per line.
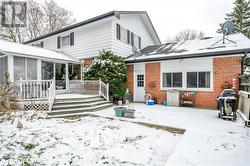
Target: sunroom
<point x="30" y="63"/>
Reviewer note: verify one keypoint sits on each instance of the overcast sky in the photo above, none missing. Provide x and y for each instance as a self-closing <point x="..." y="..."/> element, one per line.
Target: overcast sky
<point x="168" y="16"/>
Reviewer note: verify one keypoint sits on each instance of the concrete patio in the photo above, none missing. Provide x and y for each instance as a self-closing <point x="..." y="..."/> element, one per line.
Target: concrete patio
<point x="208" y="140"/>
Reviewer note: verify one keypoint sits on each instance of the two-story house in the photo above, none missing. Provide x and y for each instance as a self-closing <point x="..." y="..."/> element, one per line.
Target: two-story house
<point x="117" y="31"/>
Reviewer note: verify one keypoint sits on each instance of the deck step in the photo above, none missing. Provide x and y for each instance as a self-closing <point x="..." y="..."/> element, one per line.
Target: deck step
<point x="78" y="105"/>
<point x="77" y="101"/>
<point x="72" y="111"/>
<point x="77" y="98"/>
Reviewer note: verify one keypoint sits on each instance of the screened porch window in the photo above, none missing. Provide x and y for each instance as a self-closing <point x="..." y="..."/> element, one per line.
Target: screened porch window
<point x="47" y="70"/>
<point x="25" y="68"/>
<point x="74" y="71"/>
<point x="3" y="67"/>
<point x="198" y="79"/>
<point x="19" y="68"/>
<point x="31" y="69"/>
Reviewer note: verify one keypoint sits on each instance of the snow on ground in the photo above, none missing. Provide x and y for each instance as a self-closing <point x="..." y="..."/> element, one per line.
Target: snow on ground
<point x="86" y="141"/>
<point x="208" y="140"/>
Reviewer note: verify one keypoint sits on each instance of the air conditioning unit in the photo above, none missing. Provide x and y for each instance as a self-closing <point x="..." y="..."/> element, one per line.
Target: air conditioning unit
<point x="173" y="97"/>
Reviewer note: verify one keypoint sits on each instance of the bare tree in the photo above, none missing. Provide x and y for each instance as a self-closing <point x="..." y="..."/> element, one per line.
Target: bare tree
<point x="187" y="34"/>
<point x="42" y="18"/>
<point x="56" y="17"/>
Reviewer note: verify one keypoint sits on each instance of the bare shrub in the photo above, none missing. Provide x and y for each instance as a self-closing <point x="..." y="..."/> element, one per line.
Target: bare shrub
<point x="8" y="97"/>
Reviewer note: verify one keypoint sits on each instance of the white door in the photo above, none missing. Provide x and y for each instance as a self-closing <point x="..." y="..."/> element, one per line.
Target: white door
<point x="139" y="86"/>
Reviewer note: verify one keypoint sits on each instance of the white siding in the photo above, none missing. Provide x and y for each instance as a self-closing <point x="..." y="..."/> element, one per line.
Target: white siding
<point x="88" y="40"/>
<point x="93" y="37"/>
<point x="135" y="24"/>
<point x="188" y="65"/>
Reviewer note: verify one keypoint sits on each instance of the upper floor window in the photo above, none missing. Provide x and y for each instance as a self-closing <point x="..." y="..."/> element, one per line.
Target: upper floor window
<point x="137" y="41"/>
<point x="128" y="37"/>
<point x="67" y="40"/>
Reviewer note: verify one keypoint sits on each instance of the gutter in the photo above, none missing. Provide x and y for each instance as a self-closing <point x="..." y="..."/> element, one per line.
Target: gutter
<point x="187" y="56"/>
<point x="32" y="56"/>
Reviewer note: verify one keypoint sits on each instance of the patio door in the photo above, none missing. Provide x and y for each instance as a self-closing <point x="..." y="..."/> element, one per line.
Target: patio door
<point x="139" y="86"/>
<point x="60" y="75"/>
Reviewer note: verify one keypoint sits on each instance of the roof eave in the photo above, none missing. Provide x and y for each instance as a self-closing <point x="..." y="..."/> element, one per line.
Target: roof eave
<point x="186" y="56"/>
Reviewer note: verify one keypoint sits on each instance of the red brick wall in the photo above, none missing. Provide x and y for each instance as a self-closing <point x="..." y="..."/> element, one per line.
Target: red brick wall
<point x="224" y="69"/>
<point x="152" y="84"/>
<point x="130" y="80"/>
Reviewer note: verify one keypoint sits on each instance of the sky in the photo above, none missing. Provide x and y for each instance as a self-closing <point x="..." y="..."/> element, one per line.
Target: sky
<point x="168" y="16"/>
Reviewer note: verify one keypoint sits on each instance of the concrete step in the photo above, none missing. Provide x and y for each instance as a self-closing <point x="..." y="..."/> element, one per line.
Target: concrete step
<point x="72" y="111"/>
<point x="78" y="101"/>
<point x="77" y="98"/>
<point x="67" y="105"/>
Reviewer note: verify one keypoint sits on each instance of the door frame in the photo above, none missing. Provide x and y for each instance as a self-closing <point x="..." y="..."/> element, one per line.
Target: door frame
<point x="139" y="68"/>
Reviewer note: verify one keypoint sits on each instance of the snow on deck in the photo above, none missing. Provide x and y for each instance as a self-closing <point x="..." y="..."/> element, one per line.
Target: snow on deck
<point x="208" y="140"/>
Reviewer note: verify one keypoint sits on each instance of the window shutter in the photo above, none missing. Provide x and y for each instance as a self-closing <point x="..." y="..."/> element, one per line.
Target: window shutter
<point x="71" y="38"/>
<point x="59" y="42"/>
<point x="41" y="44"/>
<point x="128" y="36"/>
<point x="139" y="43"/>
<point x="132" y="39"/>
<point x="118" y="31"/>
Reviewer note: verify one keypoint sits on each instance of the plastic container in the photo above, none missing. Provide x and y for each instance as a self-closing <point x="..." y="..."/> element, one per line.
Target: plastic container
<point x="120" y="111"/>
<point x="130" y="113"/>
<point x="165" y="103"/>
<point x="150" y="102"/>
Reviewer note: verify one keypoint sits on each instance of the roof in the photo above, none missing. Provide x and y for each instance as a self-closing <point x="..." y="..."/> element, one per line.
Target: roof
<point x="7" y="47"/>
<point x="210" y="46"/>
<point x="105" y="15"/>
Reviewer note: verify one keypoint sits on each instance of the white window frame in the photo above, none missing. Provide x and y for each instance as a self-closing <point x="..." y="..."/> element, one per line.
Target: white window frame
<point x="26" y="68"/>
<point x="123" y="34"/>
<point x="172" y="79"/>
<point x="197" y="79"/>
<point x="63" y="37"/>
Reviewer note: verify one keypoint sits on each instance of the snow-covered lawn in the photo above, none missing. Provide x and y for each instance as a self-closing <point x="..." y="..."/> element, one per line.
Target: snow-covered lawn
<point x="208" y="140"/>
<point x="86" y="141"/>
<point x="101" y="141"/>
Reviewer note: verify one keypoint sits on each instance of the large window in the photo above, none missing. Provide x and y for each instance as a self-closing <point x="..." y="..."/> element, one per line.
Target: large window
<point x="60" y="76"/>
<point x="31" y="69"/>
<point x="172" y="80"/>
<point x="25" y="68"/>
<point x="198" y="79"/>
<point x="74" y="71"/>
<point x="47" y="70"/>
<point x="19" y="68"/>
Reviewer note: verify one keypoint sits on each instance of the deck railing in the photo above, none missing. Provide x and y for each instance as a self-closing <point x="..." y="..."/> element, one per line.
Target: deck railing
<point x="45" y="90"/>
<point x="51" y="94"/>
<point x="33" y="89"/>
<point x="36" y="94"/>
<point x="94" y="87"/>
<point x="104" y="90"/>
